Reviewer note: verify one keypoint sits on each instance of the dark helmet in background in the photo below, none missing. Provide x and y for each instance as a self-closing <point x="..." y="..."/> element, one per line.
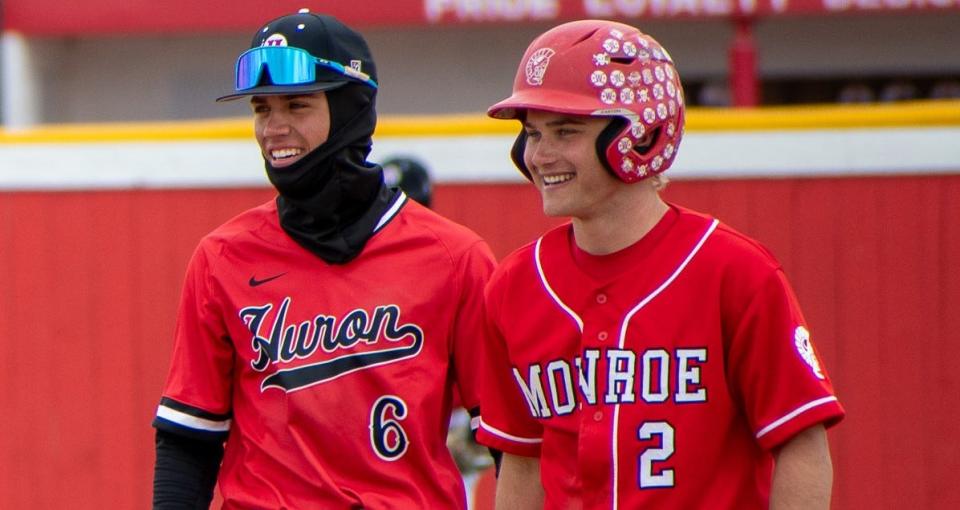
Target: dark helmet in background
<point x="410" y="176"/>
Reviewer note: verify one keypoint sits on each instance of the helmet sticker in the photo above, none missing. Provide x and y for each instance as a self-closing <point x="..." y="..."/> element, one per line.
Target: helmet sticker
<point x="662" y="111"/>
<point x="643" y="42"/>
<point x="659" y="72"/>
<point x="649" y="116"/>
<point x="657" y="163"/>
<point x="629" y="49"/>
<point x="668" y="150"/>
<point x="671" y="129"/>
<point x="616" y="33"/>
<point x="601" y="59"/>
<point x="611" y="45"/>
<point x="672" y="105"/>
<point x="608" y="96"/>
<point x="671" y="89"/>
<point x="598" y="78"/>
<point x="634" y="78"/>
<point x="643" y="55"/>
<point x="537" y="66"/>
<point x="637" y="130"/>
<point x="277" y="39"/>
<point x="624" y="145"/>
<point x="627" y="165"/>
<point x="617" y="78"/>
<point x="643" y="95"/>
<point x="658" y="91"/>
<point x="647" y="76"/>
<point x="626" y="96"/>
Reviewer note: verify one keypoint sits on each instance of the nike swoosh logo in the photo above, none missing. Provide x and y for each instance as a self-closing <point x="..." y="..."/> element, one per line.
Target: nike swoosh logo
<point x="255" y="282"/>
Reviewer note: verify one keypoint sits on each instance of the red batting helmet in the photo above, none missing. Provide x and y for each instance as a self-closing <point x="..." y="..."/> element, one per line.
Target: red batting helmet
<point x="604" y="69"/>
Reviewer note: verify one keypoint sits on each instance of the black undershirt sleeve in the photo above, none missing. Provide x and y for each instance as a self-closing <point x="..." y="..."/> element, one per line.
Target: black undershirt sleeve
<point x="185" y="472"/>
<point x="497" y="455"/>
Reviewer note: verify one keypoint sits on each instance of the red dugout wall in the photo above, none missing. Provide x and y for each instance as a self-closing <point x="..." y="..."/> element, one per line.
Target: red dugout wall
<point x="90" y="282"/>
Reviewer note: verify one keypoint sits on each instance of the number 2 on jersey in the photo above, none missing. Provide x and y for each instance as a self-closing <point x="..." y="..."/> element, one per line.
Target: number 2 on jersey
<point x="648" y="477"/>
<point x="387" y="437"/>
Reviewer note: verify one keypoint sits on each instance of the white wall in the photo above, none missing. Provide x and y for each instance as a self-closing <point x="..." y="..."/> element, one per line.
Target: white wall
<point x="480" y="158"/>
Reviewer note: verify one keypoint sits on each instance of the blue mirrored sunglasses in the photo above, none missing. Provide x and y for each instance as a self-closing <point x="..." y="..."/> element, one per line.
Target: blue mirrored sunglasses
<point x="288" y="66"/>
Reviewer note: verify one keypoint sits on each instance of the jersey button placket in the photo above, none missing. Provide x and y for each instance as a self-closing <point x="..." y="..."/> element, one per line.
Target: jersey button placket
<point x="600" y="317"/>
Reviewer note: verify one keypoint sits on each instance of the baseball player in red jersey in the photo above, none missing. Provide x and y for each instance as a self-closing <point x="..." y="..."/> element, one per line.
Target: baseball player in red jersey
<point x="643" y="355"/>
<point x="320" y="335"/>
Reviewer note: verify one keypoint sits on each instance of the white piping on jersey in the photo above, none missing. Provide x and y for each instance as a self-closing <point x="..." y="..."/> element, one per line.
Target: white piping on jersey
<point x="665" y="284"/>
<point x="392" y="211"/>
<point x="553" y="295"/>
<point x="793" y="414"/>
<point x="499" y="433"/>
<point x="623" y="337"/>
<point x="181" y="418"/>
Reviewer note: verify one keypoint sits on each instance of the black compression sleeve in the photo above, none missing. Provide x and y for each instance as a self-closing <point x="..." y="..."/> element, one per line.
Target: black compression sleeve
<point x="496" y="454"/>
<point x="185" y="472"/>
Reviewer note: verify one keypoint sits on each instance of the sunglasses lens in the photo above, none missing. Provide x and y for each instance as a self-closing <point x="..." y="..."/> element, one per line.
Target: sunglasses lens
<point x="282" y="64"/>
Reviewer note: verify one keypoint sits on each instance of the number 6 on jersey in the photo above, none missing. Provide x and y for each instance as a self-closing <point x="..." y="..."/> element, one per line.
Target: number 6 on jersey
<point x="387" y="437"/>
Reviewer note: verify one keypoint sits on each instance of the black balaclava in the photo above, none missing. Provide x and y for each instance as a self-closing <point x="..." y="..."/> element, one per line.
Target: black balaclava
<point x="332" y="199"/>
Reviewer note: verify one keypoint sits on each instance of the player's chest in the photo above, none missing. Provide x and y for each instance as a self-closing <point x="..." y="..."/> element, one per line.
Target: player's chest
<point x="307" y="324"/>
<point x="618" y="344"/>
<point x="286" y="287"/>
<point x="633" y="314"/>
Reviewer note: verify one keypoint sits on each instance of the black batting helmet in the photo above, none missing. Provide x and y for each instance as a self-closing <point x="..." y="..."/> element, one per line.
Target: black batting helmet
<point x="410" y="176"/>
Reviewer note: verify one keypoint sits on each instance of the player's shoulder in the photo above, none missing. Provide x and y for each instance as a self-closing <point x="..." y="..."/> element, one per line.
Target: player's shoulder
<point x="417" y="219"/>
<point x="523" y="260"/>
<point x="254" y="223"/>
<point x="727" y="246"/>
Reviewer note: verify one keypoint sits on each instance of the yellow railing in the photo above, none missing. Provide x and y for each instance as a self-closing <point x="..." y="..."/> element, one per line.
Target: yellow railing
<point x="906" y="114"/>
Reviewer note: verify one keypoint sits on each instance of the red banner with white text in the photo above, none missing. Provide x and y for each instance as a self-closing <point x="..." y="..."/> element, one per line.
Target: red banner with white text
<point x="123" y="17"/>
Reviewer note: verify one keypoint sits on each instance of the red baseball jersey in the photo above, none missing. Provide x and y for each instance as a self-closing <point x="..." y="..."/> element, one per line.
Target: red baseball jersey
<point x="660" y="376"/>
<point x="332" y="384"/>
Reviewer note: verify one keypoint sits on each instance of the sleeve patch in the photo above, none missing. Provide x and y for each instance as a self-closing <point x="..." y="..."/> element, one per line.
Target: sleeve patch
<point x="801" y="338"/>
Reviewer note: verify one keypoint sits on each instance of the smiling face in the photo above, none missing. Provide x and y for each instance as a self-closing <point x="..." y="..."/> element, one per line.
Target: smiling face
<point x="562" y="158"/>
<point x="289" y="127"/>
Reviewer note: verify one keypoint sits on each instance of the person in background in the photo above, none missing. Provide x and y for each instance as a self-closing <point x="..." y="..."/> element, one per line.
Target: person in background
<point x="411" y="176"/>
